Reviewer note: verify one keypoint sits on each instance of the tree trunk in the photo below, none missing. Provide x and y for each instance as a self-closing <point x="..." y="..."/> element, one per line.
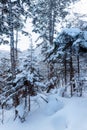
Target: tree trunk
<point x="12" y="53"/>
<point x="16" y="46"/>
<point x="78" y="65"/>
<point x="29" y="102"/>
<point x="51" y="23"/>
<point x="71" y="71"/>
<point x="2" y="16"/>
<point x="65" y="68"/>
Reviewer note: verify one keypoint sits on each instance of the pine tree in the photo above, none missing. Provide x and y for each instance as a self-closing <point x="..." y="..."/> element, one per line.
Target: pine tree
<point x="46" y="14"/>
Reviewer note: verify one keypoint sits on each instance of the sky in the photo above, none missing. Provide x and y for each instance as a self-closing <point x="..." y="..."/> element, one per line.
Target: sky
<point x="80" y="7"/>
<point x="24" y="41"/>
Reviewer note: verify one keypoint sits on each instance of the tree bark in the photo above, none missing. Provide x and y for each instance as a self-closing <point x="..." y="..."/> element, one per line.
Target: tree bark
<point x="71" y="71"/>
<point x="52" y="15"/>
<point x="16" y="45"/>
<point x="11" y="34"/>
<point x="65" y="68"/>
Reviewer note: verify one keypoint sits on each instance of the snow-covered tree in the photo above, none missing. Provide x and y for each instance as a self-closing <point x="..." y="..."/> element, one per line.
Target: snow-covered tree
<point x="45" y="16"/>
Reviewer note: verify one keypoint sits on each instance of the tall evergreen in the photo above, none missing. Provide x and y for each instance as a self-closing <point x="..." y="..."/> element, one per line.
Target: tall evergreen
<point x="46" y="14"/>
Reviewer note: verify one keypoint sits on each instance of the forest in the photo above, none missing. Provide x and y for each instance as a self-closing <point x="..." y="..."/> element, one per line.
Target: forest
<point x="45" y="86"/>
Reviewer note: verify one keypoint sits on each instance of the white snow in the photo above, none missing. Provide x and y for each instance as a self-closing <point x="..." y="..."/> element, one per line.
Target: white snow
<point x="85" y="35"/>
<point x="84" y="44"/>
<point x="72" y="31"/>
<point x="4" y="47"/>
<point x="58" y="114"/>
<point x="80" y="7"/>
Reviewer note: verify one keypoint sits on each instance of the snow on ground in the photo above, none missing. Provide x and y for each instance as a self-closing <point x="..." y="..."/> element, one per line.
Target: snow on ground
<point x="58" y="114"/>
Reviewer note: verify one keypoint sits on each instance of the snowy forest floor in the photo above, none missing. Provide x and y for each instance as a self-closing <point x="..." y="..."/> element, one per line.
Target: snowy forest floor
<point x="58" y="114"/>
